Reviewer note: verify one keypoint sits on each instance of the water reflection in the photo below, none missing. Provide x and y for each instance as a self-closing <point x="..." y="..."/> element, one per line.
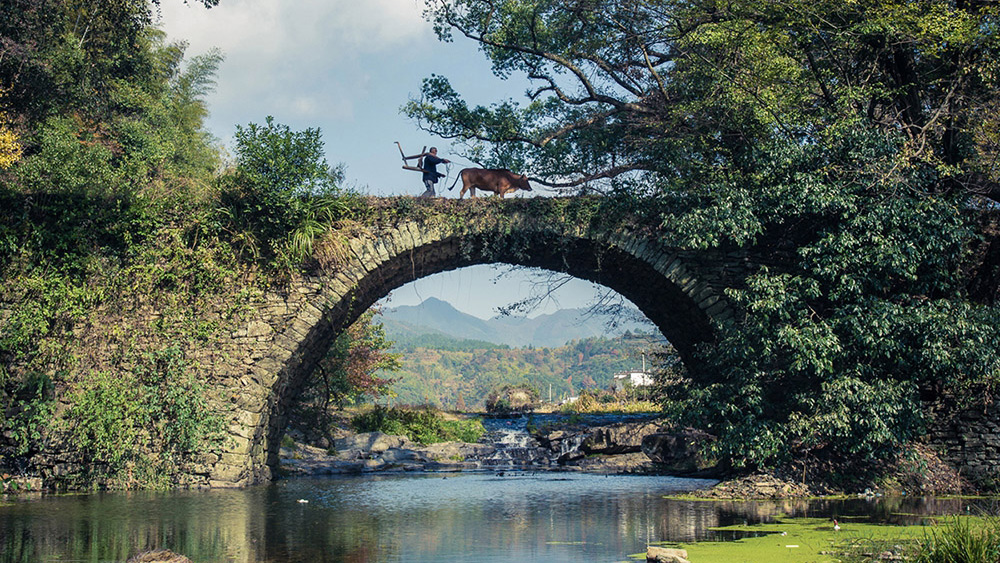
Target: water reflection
<point x="463" y="517"/>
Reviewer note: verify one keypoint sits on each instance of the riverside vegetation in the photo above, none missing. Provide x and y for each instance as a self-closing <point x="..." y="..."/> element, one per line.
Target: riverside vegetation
<point x="447" y="373"/>
<point x="864" y="133"/>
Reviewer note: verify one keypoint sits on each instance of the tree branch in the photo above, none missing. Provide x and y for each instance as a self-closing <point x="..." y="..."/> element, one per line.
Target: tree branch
<point x="609" y="173"/>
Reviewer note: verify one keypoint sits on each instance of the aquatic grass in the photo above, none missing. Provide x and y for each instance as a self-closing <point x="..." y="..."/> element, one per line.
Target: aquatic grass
<point x="964" y="539"/>
<point x="805" y="540"/>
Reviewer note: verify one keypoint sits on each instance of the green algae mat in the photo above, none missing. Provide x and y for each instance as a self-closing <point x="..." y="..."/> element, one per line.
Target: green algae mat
<point x="804" y="540"/>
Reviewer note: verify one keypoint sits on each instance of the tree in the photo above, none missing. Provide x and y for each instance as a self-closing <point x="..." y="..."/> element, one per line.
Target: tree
<point x="853" y="135"/>
<point x="349" y="372"/>
<point x="677" y="89"/>
<point x="283" y="193"/>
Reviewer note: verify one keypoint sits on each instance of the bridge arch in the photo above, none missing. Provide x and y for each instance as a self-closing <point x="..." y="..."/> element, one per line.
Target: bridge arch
<point x="679" y="291"/>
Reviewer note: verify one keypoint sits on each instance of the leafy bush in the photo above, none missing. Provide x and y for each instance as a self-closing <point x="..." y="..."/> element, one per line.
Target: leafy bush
<point x="134" y="427"/>
<point x="423" y="425"/>
<point x="282" y="195"/>
<point x="512" y="399"/>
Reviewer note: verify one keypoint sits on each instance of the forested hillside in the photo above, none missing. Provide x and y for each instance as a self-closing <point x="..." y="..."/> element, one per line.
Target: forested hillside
<point x="443" y="371"/>
<point x="548" y="330"/>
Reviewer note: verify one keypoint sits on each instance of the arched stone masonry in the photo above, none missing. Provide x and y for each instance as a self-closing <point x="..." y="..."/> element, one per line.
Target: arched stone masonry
<point x="680" y="291"/>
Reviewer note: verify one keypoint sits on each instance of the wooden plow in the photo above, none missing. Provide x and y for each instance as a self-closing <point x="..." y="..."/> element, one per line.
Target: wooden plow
<point x="420" y="159"/>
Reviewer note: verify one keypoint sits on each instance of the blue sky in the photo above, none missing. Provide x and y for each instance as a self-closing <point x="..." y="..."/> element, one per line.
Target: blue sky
<point x="347" y="66"/>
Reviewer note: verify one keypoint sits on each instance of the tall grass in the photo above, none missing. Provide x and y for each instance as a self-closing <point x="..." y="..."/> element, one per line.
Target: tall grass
<point x="963" y="540"/>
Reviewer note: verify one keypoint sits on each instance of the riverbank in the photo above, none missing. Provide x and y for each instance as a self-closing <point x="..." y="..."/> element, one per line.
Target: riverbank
<point x="622" y="444"/>
<point x="610" y="444"/>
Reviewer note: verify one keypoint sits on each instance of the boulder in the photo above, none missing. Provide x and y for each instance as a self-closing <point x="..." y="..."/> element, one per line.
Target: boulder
<point x="620" y="438"/>
<point x="373" y="442"/>
<point x="679" y="451"/>
<point x="757" y="486"/>
<point x="656" y="554"/>
<point x="456" y="451"/>
<point x="401" y="455"/>
<point x="619" y="463"/>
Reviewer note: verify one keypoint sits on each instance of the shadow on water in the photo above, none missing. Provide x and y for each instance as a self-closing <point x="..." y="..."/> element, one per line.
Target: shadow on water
<point x="521" y="516"/>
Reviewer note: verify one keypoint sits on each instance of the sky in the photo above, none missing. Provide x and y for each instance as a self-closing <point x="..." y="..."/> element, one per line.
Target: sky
<point x="346" y="67"/>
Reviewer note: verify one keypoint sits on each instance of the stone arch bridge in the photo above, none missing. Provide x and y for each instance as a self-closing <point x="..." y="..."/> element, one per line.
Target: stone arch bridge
<point x="275" y="349"/>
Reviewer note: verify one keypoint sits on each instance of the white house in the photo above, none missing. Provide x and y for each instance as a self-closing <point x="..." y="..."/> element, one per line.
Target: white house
<point x="631" y="378"/>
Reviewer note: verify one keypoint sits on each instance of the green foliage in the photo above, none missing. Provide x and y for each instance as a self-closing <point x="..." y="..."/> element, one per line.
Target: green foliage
<point x="283" y="194"/>
<point x="437" y="370"/>
<point x="839" y="146"/>
<point x="133" y="427"/>
<point x="28" y="409"/>
<point x="834" y="348"/>
<point x="423" y="425"/>
<point x="109" y="196"/>
<point x="275" y="159"/>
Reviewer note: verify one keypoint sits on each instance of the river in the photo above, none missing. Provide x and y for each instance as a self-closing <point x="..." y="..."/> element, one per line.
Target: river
<point x="484" y="516"/>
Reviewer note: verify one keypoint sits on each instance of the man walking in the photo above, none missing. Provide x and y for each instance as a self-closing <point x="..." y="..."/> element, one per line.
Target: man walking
<point x="431" y="174"/>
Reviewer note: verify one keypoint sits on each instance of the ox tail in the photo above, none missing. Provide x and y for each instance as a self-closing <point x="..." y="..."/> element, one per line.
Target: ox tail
<point x="453" y="184"/>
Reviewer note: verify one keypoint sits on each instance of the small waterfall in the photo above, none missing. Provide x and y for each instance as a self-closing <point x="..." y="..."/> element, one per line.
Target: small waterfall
<point x="515" y="447"/>
<point x="569" y="447"/>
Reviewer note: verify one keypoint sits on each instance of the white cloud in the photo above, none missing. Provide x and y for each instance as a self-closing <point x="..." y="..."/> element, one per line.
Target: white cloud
<point x="271" y="29"/>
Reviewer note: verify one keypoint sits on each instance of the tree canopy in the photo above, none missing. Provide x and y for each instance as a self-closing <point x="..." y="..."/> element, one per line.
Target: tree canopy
<point x="682" y="89"/>
<point x="856" y="137"/>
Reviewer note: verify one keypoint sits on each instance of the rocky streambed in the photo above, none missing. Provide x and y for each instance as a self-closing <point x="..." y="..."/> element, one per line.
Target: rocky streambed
<point x="600" y="444"/>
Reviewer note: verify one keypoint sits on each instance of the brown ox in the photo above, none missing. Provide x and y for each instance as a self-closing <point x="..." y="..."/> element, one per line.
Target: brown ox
<point x="498" y="181"/>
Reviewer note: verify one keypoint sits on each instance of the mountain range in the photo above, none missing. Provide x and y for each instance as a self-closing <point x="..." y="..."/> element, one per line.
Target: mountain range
<point x="434" y="316"/>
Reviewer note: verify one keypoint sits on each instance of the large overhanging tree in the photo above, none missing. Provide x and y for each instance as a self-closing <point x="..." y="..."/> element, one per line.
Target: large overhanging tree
<point x="673" y="87"/>
<point x="864" y="133"/>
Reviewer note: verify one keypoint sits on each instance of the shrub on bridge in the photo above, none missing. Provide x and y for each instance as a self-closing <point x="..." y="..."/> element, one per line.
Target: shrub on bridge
<point x="283" y="195"/>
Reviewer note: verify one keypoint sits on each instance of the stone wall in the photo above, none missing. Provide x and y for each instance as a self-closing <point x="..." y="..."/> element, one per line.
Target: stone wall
<point x="291" y="331"/>
<point x="257" y="362"/>
<point x="968" y="439"/>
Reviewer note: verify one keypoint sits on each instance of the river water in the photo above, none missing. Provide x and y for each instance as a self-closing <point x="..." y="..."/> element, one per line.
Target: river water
<point x="498" y="514"/>
<point x="484" y="516"/>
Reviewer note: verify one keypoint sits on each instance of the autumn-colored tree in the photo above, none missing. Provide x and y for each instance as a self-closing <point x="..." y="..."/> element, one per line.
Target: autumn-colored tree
<point x="349" y="371"/>
<point x="10" y="147"/>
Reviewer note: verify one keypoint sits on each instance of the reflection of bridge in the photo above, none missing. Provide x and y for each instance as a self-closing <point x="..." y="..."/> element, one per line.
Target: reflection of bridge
<point x="404" y="239"/>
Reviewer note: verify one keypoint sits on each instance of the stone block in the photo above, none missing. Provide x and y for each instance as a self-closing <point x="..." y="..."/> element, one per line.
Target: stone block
<point x="226" y="473"/>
